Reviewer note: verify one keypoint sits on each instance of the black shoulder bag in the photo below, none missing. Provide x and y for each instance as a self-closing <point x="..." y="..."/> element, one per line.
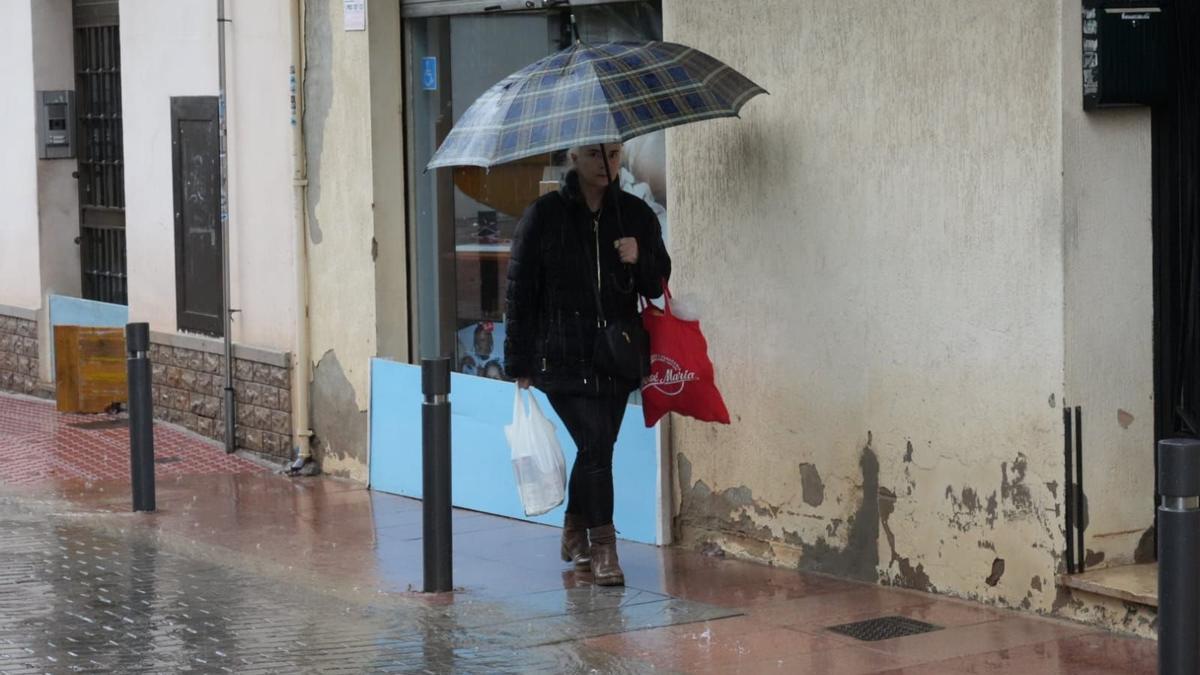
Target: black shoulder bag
<point x="622" y="346"/>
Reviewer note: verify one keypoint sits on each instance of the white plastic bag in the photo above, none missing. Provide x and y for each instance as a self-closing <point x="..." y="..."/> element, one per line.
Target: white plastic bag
<point x="537" y="458"/>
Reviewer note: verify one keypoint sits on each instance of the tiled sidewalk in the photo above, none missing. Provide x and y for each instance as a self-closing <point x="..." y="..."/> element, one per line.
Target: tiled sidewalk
<point x="39" y="444"/>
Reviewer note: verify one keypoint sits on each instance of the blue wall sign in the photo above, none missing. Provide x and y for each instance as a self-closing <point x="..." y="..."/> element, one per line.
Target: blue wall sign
<point x="429" y="74"/>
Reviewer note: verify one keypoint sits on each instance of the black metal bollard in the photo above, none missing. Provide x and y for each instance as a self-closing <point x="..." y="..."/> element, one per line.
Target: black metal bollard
<point x="141" y="415"/>
<point x="1178" y="556"/>
<point x="435" y="469"/>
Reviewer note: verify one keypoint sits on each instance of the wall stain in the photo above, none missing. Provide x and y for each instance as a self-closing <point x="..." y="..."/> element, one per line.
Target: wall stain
<point x="1124" y="418"/>
<point x="813" y="490"/>
<point x="860" y="558"/>
<point x="1093" y="558"/>
<point x="723" y="512"/>
<point x="1036" y="583"/>
<point x="1081" y="514"/>
<point x="1145" y="551"/>
<point x="997" y="572"/>
<point x="340" y="428"/>
<point x="991" y="510"/>
<point x="908" y="452"/>
<point x="318" y="100"/>
<point x="833" y="526"/>
<point x="906" y="575"/>
<point x="1062" y="598"/>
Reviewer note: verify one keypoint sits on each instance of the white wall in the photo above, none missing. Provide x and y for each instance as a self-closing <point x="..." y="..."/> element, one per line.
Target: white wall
<point x="878" y="246"/>
<point x="20" y="272"/>
<point x="262" y="206"/>
<point x="170" y="49"/>
<point x="58" y="191"/>
<point x="1110" y="307"/>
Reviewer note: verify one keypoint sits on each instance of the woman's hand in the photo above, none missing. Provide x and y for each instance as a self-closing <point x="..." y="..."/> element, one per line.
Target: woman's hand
<point x="523" y="382"/>
<point x="627" y="249"/>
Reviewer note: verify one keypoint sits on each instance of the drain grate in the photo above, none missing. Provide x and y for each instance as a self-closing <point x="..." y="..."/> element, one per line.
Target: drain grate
<point x="884" y="628"/>
<point x="119" y="423"/>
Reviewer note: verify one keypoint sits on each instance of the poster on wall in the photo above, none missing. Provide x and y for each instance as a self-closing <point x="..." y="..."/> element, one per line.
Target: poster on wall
<point x="480" y="350"/>
<point x="354" y="14"/>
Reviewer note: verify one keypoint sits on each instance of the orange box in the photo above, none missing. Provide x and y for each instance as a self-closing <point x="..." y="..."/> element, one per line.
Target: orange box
<point x="89" y="368"/>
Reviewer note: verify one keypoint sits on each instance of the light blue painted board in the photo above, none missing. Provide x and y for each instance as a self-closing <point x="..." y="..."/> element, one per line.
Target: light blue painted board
<point x="68" y="311"/>
<point x="481" y="470"/>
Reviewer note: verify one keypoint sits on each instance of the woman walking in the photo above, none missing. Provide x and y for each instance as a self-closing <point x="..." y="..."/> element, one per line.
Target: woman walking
<point x="571" y="246"/>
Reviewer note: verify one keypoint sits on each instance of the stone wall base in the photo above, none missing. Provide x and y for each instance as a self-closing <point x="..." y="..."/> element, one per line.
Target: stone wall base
<point x="19" y="354"/>
<point x="189" y="391"/>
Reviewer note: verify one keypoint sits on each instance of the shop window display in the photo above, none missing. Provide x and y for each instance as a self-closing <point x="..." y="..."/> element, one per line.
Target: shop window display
<point x="483" y="206"/>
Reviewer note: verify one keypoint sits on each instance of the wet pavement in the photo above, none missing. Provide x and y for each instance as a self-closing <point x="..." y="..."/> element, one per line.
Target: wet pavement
<point x="258" y="572"/>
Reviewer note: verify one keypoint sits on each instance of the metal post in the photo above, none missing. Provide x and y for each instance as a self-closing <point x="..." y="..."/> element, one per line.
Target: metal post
<point x="141" y="415"/>
<point x="1178" y="556"/>
<point x="226" y="292"/>
<point x="435" y="435"/>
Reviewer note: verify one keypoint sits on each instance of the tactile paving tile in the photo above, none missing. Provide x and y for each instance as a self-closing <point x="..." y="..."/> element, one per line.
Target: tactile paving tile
<point x="38" y="444"/>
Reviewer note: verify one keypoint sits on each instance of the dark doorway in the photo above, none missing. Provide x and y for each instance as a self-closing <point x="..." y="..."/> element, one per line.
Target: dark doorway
<point x="1176" y="143"/>
<point x="196" y="175"/>
<point x="100" y="146"/>
<point x="1176" y="178"/>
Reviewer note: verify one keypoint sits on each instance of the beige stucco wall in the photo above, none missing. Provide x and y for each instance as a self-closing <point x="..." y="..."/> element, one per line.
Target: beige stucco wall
<point x="20" y="273"/>
<point x="1110" y="310"/>
<point x="878" y="248"/>
<point x="342" y="282"/>
<point x="170" y="49"/>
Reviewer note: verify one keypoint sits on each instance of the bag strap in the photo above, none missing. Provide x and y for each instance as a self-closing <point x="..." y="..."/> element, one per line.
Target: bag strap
<point x="518" y="409"/>
<point x="643" y="303"/>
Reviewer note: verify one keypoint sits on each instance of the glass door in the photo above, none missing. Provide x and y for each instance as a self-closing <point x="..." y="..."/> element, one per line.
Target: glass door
<point x="464" y="217"/>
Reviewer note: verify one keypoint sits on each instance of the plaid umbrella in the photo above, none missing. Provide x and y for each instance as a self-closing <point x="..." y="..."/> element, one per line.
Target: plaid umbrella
<point x="591" y="94"/>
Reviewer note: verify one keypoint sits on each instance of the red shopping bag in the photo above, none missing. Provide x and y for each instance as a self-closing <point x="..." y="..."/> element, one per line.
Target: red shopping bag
<point x="681" y="375"/>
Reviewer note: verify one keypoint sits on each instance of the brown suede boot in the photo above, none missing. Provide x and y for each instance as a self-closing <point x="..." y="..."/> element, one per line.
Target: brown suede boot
<point x="606" y="569"/>
<point x="575" y="547"/>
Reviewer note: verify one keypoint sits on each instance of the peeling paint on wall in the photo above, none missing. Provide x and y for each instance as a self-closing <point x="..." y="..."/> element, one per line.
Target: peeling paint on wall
<point x="810" y="483"/>
<point x="901" y="349"/>
<point x="1013" y="489"/>
<point x="997" y="572"/>
<point x="341" y="441"/>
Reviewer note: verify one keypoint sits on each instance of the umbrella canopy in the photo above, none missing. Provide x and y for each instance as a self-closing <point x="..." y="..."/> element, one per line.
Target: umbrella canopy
<point x="591" y="94"/>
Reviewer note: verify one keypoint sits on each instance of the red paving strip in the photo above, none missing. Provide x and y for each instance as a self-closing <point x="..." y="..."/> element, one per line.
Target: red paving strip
<point x="38" y="444"/>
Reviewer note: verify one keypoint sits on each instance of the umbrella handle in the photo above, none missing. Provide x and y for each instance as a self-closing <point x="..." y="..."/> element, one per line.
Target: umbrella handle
<point x="616" y="197"/>
<point x="616" y="194"/>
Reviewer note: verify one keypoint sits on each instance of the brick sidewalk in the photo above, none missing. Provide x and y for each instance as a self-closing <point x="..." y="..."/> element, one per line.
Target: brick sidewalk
<point x="39" y="444"/>
<point x="242" y="570"/>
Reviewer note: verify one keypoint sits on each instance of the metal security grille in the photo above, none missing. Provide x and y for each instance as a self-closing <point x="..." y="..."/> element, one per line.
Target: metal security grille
<point x="101" y="150"/>
<point x="884" y="628"/>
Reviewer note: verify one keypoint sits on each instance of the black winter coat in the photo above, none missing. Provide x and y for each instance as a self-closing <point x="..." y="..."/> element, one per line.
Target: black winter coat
<point x="551" y="320"/>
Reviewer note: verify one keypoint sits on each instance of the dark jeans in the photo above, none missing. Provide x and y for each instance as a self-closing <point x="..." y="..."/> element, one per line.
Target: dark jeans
<point x="593" y="422"/>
